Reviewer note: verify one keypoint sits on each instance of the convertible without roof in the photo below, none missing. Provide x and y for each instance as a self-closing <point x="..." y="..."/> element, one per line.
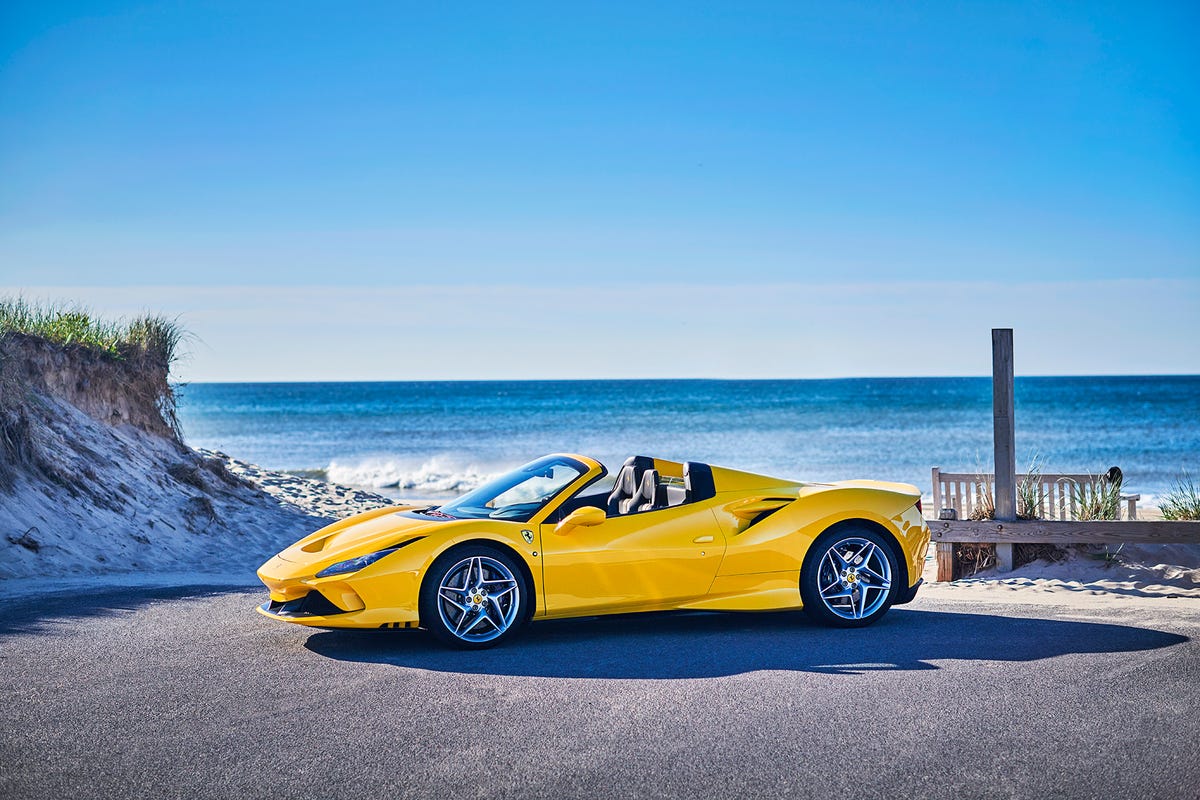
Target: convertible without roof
<point x="559" y="537"/>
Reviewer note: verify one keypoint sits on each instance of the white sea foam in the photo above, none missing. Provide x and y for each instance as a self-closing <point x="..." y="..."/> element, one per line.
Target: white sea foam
<point x="436" y="476"/>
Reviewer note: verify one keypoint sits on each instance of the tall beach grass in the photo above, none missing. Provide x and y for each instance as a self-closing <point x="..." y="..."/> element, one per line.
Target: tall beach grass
<point x="1101" y="500"/>
<point x="1183" y="501"/>
<point x="151" y="338"/>
<point x="124" y="362"/>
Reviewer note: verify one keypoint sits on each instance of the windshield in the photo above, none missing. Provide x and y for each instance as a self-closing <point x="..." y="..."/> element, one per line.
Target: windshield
<point x="517" y="495"/>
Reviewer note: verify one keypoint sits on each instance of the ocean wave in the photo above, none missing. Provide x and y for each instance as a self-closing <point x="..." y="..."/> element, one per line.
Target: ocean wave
<point x="436" y="476"/>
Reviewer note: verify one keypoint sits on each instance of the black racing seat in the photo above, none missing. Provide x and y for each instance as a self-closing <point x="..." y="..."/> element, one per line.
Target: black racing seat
<point x="624" y="493"/>
<point x="629" y="481"/>
<point x="651" y="494"/>
<point x="697" y="481"/>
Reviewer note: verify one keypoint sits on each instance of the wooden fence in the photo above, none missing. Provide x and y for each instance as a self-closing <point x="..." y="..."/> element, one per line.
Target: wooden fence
<point x="946" y="533"/>
<point x="1051" y="495"/>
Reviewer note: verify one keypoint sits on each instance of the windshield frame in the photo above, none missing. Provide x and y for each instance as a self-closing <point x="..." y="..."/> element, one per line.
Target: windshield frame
<point x="588" y="474"/>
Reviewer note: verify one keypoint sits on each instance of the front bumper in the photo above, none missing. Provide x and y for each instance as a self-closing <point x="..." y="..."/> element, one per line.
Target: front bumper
<point x="387" y="600"/>
<point x="292" y="611"/>
<point x="313" y="604"/>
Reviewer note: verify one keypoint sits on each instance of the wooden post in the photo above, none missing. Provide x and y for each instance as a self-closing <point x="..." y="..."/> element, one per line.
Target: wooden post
<point x="937" y="492"/>
<point x="945" y="561"/>
<point x="1004" y="438"/>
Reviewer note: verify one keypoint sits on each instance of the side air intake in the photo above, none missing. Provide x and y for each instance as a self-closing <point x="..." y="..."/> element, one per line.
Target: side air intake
<point x="753" y="510"/>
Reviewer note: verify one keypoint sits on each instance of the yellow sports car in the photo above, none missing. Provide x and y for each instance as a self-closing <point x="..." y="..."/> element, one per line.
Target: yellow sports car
<point x="559" y="537"/>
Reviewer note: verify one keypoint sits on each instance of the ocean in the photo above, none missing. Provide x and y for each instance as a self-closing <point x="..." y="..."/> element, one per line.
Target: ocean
<point x="439" y="438"/>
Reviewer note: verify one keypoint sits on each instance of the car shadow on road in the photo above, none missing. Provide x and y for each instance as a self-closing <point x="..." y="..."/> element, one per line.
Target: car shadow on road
<point x="704" y="645"/>
<point x="49" y="611"/>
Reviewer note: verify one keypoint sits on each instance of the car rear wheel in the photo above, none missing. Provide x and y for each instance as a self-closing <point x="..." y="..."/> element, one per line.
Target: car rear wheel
<point x="474" y="597"/>
<point x="846" y="580"/>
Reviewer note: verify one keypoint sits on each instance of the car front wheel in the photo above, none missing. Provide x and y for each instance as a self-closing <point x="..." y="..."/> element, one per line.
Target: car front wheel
<point x="474" y="597"/>
<point x="847" y="578"/>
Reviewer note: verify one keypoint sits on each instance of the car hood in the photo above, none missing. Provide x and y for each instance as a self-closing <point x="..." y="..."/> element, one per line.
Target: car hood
<point x="364" y="533"/>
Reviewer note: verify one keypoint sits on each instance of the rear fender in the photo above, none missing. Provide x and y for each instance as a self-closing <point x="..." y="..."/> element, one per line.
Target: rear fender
<point x="781" y="539"/>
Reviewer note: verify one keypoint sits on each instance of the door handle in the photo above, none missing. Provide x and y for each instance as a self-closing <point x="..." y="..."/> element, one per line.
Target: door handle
<point x="702" y="539"/>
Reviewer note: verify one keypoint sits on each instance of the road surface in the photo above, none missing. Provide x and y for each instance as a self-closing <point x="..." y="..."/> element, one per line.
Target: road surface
<point x="185" y="692"/>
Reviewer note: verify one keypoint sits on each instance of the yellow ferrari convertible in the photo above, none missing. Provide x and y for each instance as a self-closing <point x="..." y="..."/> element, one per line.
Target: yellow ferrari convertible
<point x="560" y="537"/>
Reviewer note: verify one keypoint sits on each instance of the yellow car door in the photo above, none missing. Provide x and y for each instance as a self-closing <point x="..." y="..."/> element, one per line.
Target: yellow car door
<point x="646" y="559"/>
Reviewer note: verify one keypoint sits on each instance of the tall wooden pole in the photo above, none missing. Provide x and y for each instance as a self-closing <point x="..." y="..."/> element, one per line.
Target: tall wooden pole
<point x="1004" y="438"/>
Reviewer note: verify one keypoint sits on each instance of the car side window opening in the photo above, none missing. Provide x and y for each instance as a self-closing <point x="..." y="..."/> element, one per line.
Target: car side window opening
<point x="594" y="494"/>
<point x="639" y="487"/>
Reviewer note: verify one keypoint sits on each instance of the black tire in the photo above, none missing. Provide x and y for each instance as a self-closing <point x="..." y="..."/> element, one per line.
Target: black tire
<point x="482" y="607"/>
<point x="847" y="577"/>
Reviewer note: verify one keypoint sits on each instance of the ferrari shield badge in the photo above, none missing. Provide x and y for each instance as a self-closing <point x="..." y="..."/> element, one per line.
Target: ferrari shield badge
<point x="528" y="536"/>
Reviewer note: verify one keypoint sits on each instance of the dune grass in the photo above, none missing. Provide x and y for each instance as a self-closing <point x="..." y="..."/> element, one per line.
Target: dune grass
<point x="1102" y="500"/>
<point x="1183" y="501"/>
<point x="126" y="358"/>
<point x="155" y="339"/>
<point x="1030" y="492"/>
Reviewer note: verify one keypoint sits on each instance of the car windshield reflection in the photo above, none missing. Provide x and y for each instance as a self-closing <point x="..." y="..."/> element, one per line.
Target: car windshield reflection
<point x="519" y="494"/>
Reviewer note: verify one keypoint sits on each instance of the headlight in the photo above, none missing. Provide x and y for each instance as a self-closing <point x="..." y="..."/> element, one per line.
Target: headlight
<point x="355" y="564"/>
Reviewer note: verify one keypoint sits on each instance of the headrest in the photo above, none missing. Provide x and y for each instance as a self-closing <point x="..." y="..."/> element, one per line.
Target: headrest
<point x="698" y="481"/>
<point x="639" y="464"/>
<point x="649" y="483"/>
<point x="627" y="480"/>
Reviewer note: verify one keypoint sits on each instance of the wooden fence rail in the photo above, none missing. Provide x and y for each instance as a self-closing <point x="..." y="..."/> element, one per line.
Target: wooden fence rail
<point x="1052" y="495"/>
<point x="945" y="533"/>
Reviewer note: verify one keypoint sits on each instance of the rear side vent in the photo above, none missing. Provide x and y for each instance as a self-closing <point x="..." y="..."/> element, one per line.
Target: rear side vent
<point x="754" y="510"/>
<point x="761" y="517"/>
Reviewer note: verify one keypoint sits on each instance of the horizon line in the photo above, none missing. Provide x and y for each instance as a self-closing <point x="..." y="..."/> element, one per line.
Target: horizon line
<point x="687" y="380"/>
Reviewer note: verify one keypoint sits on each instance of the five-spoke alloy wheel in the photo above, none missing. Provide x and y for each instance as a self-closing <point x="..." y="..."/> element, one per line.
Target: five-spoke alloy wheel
<point x="474" y="597"/>
<point x="847" y="578"/>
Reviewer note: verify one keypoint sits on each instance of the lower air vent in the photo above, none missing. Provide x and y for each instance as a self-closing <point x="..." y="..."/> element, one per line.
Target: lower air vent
<point x="313" y="604"/>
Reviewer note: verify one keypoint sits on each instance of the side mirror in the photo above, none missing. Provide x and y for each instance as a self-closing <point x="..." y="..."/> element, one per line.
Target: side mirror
<point x="581" y="518"/>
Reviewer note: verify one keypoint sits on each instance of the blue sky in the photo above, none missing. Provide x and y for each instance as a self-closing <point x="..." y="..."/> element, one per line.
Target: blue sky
<point x="1027" y="149"/>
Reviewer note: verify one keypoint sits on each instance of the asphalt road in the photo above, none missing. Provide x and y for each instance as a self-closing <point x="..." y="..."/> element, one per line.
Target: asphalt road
<point x="187" y="693"/>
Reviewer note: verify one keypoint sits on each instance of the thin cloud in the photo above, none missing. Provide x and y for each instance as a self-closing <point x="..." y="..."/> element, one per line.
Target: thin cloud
<point x="782" y="330"/>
